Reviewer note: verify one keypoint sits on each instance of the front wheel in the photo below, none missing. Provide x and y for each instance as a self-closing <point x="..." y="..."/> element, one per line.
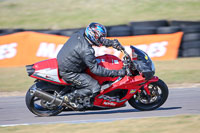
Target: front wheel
<point x="39" y="106"/>
<point x="159" y="93"/>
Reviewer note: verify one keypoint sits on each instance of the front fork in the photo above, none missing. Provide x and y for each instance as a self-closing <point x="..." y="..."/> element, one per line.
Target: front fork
<point x="146" y="86"/>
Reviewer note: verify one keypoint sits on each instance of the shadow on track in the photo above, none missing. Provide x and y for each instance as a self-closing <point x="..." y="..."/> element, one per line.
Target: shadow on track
<point x="169" y="108"/>
<point x="114" y="111"/>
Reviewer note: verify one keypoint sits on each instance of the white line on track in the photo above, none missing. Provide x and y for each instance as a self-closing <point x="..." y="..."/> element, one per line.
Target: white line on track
<point x="68" y="122"/>
<point x="81" y="121"/>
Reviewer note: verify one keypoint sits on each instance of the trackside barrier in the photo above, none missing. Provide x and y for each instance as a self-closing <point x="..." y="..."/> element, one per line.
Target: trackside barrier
<point x="24" y="48"/>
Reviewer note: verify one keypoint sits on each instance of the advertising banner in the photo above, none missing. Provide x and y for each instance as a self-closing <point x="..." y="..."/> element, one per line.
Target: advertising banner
<point x="24" y="48"/>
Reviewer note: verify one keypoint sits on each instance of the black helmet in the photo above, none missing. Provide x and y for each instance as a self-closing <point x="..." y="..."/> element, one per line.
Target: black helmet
<point x="95" y="33"/>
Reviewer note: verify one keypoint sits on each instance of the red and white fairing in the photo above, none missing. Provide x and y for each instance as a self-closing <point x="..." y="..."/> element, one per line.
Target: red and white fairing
<point x="48" y="69"/>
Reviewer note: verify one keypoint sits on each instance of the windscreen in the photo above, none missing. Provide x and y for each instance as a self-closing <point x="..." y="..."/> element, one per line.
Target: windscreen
<point x="143" y="63"/>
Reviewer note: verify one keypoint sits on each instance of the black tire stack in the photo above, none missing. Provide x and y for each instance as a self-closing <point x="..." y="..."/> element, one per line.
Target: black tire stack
<point x="190" y="46"/>
<point x="9" y="31"/>
<point x="147" y="27"/>
<point x="63" y="32"/>
<point x="69" y="32"/>
<point x="119" y="30"/>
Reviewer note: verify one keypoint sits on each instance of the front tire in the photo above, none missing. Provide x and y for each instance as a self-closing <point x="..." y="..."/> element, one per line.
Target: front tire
<point x="38" y="106"/>
<point x="159" y="94"/>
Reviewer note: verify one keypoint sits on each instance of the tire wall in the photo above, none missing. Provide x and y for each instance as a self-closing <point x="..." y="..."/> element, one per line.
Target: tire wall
<point x="190" y="46"/>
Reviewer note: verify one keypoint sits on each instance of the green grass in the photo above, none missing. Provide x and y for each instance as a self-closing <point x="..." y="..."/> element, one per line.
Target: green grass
<point x="177" y="124"/>
<point x="179" y="71"/>
<point x="58" y="14"/>
<point x="14" y="79"/>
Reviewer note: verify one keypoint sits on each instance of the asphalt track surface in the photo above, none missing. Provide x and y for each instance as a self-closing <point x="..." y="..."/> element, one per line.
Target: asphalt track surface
<point x="13" y="110"/>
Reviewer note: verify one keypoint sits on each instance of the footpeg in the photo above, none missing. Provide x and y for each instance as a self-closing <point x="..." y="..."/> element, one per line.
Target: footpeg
<point x="66" y="99"/>
<point x="70" y="104"/>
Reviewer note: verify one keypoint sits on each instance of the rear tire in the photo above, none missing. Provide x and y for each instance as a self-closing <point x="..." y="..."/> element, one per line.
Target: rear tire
<point x="37" y="106"/>
<point x="159" y="94"/>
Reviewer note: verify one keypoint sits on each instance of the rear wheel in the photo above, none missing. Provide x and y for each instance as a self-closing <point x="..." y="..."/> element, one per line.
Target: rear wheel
<point x="41" y="107"/>
<point x="159" y="93"/>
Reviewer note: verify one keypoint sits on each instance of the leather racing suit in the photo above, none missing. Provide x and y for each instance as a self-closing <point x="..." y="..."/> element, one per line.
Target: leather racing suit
<point x="75" y="56"/>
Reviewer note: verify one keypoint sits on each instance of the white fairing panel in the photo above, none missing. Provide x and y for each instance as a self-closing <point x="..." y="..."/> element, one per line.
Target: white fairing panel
<point x="48" y="73"/>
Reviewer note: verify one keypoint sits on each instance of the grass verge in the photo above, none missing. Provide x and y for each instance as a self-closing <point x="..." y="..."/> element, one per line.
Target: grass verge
<point x="177" y="124"/>
<point x="179" y="71"/>
<point x="58" y="14"/>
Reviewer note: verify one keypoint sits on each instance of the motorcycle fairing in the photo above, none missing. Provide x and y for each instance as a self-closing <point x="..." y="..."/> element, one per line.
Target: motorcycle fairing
<point x="126" y="83"/>
<point x="48" y="70"/>
<point x="143" y="63"/>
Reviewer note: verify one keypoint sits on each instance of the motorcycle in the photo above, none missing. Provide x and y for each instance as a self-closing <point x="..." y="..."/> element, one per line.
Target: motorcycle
<point x="139" y="87"/>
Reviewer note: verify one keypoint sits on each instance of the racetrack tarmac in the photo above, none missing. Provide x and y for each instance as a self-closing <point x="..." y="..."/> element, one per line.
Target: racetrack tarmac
<point x="13" y="110"/>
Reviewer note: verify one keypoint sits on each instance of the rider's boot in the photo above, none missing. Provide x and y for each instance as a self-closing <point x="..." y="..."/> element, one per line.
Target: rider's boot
<point x="92" y="99"/>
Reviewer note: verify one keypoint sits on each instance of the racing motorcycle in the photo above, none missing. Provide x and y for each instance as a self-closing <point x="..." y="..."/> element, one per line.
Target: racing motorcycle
<point x="139" y="87"/>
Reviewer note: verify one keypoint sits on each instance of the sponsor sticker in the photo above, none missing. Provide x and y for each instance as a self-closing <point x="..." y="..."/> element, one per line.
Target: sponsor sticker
<point x="132" y="91"/>
<point x="109" y="103"/>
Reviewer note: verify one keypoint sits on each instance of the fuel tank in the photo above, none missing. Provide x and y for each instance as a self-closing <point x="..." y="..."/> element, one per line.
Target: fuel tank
<point x="107" y="61"/>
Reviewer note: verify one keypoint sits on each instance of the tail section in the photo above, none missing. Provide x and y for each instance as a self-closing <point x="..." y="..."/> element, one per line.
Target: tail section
<point x="46" y="70"/>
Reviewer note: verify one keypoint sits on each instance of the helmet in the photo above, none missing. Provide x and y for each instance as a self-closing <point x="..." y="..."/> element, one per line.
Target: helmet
<point x="95" y="33"/>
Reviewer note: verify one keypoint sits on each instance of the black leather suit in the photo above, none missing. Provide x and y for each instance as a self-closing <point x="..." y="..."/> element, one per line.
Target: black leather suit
<point x="75" y="56"/>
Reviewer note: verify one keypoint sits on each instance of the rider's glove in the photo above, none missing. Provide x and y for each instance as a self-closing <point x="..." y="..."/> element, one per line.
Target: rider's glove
<point x="122" y="72"/>
<point x="106" y="42"/>
<point x="117" y="45"/>
<point x="112" y="43"/>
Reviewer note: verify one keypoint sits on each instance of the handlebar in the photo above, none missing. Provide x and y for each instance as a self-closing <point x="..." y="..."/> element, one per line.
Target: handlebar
<point x="127" y="63"/>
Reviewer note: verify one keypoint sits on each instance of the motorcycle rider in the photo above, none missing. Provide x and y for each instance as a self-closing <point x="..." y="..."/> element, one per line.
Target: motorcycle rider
<point x="77" y="54"/>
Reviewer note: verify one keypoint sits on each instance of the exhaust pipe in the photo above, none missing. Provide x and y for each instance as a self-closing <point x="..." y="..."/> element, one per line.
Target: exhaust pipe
<point x="48" y="97"/>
